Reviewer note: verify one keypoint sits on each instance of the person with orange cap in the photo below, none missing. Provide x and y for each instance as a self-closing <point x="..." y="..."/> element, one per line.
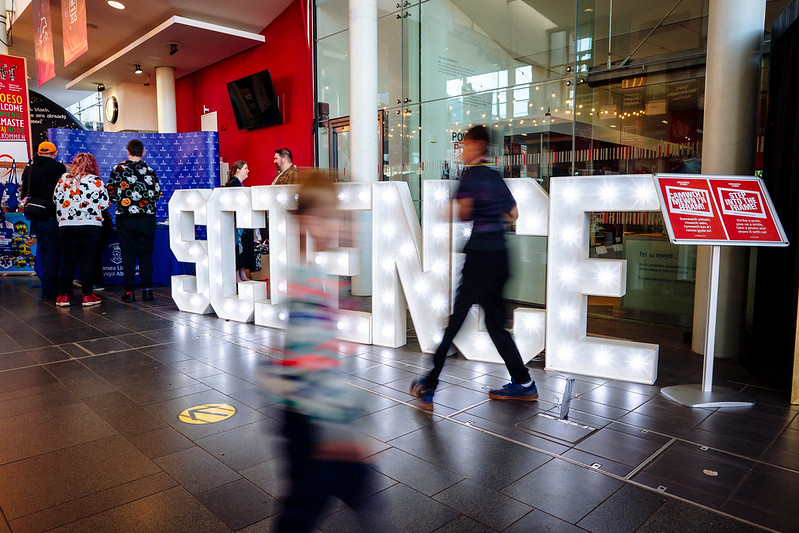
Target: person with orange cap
<point x="38" y="184"/>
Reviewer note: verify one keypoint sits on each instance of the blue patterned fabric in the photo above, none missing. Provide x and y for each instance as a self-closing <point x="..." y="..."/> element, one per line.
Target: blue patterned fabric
<point x="181" y="160"/>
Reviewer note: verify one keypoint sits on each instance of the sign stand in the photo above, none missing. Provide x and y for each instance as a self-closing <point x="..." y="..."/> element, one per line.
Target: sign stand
<point x="704" y="396"/>
<point x="715" y="211"/>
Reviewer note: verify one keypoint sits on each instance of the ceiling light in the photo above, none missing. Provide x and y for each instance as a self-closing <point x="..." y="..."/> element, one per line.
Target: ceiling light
<point x="138" y="70"/>
<point x="115" y="4"/>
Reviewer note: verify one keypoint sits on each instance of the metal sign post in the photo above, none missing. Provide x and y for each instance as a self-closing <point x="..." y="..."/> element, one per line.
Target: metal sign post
<point x="715" y="211"/>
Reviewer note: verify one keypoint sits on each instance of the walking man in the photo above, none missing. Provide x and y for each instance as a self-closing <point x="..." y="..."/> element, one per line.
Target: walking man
<point x="483" y="198"/>
<point x="134" y="188"/>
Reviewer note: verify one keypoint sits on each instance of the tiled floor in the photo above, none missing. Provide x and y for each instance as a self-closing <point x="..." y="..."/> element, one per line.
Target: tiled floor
<point x="91" y="439"/>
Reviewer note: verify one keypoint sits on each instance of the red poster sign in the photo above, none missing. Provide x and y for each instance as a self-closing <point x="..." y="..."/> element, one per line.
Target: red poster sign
<point x="730" y="210"/>
<point x="43" y="41"/>
<point x="14" y="105"/>
<point x="73" y="24"/>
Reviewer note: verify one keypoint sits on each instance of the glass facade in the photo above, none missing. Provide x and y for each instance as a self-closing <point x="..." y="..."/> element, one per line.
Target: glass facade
<point x="567" y="87"/>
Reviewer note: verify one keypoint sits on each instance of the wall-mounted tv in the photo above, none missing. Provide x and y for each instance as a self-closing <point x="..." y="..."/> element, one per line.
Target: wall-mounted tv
<point x="254" y="102"/>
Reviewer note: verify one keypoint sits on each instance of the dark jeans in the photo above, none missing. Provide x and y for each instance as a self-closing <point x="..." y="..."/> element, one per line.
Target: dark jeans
<point x="78" y="247"/>
<point x="99" y="278"/>
<point x="48" y="254"/>
<point x="136" y="235"/>
<point x="482" y="280"/>
<point x="314" y="481"/>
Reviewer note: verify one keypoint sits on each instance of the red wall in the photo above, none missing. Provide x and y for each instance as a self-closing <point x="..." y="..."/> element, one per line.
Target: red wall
<point x="285" y="53"/>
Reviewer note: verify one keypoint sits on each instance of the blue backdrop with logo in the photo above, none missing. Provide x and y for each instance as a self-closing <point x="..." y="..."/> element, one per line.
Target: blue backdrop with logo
<point x="181" y="160"/>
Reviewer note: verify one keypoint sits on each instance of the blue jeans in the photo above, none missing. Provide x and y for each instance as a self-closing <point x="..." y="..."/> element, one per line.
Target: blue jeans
<point x="48" y="254"/>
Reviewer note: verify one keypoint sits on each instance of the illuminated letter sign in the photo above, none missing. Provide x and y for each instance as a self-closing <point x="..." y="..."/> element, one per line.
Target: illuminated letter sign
<point x="572" y="276"/>
<point x="418" y="266"/>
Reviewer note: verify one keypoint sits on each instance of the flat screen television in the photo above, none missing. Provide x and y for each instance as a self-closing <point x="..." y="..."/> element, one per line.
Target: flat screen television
<point x="254" y="102"/>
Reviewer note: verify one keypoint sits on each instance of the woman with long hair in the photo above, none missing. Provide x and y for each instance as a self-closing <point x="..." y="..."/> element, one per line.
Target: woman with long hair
<point x="80" y="198"/>
<point x="245" y="238"/>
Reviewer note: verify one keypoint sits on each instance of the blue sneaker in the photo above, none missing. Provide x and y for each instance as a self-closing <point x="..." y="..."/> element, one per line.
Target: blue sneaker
<point x="514" y="391"/>
<point x="423" y="393"/>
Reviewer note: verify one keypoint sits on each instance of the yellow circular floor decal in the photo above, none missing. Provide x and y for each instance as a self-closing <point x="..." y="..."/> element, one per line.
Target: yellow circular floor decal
<point x="207" y="413"/>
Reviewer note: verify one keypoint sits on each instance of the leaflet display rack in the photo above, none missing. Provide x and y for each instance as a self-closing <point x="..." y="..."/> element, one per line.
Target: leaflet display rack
<point x="715" y="211"/>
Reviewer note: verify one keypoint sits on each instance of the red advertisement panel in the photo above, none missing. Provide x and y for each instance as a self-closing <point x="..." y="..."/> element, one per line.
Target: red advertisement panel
<point x="718" y="210"/>
<point x="744" y="210"/>
<point x="43" y="41"/>
<point x="14" y="106"/>
<point x="691" y="209"/>
<point x="73" y="24"/>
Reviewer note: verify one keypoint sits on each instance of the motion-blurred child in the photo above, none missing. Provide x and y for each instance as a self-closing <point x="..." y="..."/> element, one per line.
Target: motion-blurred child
<point x="324" y="449"/>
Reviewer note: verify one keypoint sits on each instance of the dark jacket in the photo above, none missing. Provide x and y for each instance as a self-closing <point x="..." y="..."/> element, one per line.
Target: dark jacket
<point x="134" y="188"/>
<point x="39" y="180"/>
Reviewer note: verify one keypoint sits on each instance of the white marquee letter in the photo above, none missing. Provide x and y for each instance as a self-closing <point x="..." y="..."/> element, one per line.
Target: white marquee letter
<point x="572" y="276"/>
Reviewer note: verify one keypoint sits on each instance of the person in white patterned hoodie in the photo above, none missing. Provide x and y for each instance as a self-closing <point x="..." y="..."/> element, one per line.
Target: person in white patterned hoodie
<point x="80" y="198"/>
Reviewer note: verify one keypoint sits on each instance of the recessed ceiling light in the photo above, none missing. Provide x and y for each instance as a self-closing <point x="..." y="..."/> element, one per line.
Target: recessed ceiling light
<point x="115" y="4"/>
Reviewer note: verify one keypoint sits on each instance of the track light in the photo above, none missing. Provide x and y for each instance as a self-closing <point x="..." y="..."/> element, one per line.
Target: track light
<point x="173" y="48"/>
<point x="138" y="70"/>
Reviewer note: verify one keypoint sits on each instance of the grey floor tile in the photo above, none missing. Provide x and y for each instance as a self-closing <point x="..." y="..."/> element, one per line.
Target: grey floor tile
<point x="239" y="504"/>
<point x="67" y="425"/>
<point x="469" y="452"/>
<point x="94" y="503"/>
<point x="393" y="422"/>
<point x="564" y="490"/>
<point x="42" y="399"/>
<point x="679" y="516"/>
<point x="160" y="442"/>
<point x="40" y="482"/>
<point x="389" y="509"/>
<point x="246" y="446"/>
<point x="540" y="521"/>
<point x="690" y="471"/>
<point x="173" y="510"/>
<point x="196" y="470"/>
<point x="625" y="511"/>
<point x="483" y="504"/>
<point x="619" y="446"/>
<point x="464" y="524"/>
<point x="420" y="475"/>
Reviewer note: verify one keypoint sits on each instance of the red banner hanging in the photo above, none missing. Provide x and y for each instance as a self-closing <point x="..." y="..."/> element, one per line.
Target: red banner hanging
<point x="43" y="41"/>
<point x="14" y="108"/>
<point x="73" y="24"/>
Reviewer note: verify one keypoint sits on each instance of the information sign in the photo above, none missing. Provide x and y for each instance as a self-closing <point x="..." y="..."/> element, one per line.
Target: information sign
<point x="718" y="210"/>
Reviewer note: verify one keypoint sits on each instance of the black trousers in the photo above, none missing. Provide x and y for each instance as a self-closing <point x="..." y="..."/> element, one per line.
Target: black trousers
<point x="482" y="280"/>
<point x="136" y="235"/>
<point x="313" y="481"/>
<point x="48" y="254"/>
<point x="78" y="247"/>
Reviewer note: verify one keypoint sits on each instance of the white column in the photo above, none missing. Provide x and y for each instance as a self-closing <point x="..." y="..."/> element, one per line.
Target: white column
<point x="732" y="92"/>
<point x="165" y="99"/>
<point x="364" y="147"/>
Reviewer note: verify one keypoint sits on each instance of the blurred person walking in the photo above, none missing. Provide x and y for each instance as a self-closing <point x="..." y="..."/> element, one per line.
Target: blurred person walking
<point x="325" y="450"/>
<point x="484" y="199"/>
<point x="80" y="198"/>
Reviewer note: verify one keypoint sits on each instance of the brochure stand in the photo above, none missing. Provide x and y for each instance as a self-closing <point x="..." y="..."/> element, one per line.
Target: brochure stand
<point x="715" y="211"/>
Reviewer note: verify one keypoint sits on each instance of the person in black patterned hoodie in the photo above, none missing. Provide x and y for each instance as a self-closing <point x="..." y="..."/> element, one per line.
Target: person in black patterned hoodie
<point x="80" y="198"/>
<point x="134" y="188"/>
